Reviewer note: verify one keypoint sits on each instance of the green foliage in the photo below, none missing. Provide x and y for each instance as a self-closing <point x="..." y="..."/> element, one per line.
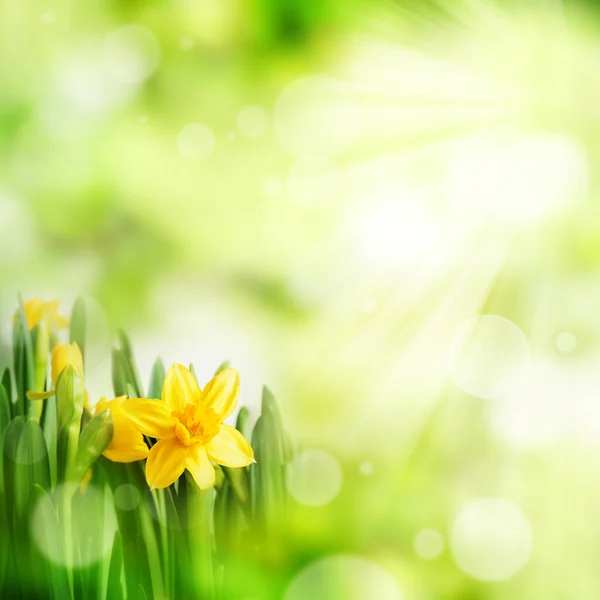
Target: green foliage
<point x="176" y="542"/>
<point x="77" y="332"/>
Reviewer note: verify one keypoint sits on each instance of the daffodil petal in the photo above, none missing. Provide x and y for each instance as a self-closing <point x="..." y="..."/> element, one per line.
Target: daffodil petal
<point x="127" y="444"/>
<point x="33" y="311"/>
<point x="127" y="455"/>
<point x="64" y="355"/>
<point x="180" y="388"/>
<point x="39" y="395"/>
<point x="151" y="417"/>
<point x="230" y="448"/>
<point x="221" y="392"/>
<point x="198" y="464"/>
<point x="166" y="462"/>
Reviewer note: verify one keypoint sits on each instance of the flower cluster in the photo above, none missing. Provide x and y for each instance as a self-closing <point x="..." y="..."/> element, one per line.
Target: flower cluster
<point x="184" y="429"/>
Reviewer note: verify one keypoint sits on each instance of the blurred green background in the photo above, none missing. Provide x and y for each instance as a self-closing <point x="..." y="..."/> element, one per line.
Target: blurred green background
<point x="325" y="193"/>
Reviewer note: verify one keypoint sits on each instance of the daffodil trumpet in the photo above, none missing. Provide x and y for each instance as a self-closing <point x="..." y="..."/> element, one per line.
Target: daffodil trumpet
<point x="188" y="424"/>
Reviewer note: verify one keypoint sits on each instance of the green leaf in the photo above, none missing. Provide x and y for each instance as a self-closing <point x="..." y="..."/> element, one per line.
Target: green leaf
<point x="50" y="429"/>
<point x="95" y="437"/>
<point x="224" y="365"/>
<point x="41" y="344"/>
<point x="267" y="474"/>
<point x="70" y="398"/>
<point x="7" y="383"/>
<point x="242" y="423"/>
<point x="31" y="465"/>
<point x="11" y="441"/>
<point x="269" y="406"/>
<point x="4" y="410"/>
<point x="114" y="588"/>
<point x="78" y="325"/>
<point x="50" y="535"/>
<point x="157" y="379"/>
<point x="200" y="516"/>
<point x="133" y="376"/>
<point x="119" y="373"/>
<point x="27" y="366"/>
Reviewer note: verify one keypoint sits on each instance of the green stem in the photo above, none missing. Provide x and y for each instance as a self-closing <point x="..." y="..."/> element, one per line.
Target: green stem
<point x="67" y="527"/>
<point x="153" y="553"/>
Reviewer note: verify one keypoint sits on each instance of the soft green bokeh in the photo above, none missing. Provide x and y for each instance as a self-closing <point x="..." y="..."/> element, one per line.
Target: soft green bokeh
<point x="445" y="169"/>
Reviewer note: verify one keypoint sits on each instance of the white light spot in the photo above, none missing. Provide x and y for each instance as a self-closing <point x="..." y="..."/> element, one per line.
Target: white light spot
<point x="429" y="543"/>
<point x="17" y="236"/>
<point x="49" y="17"/>
<point x="316" y="116"/>
<point x="127" y="496"/>
<point x="489" y="356"/>
<point x="313" y="183"/>
<point x="143" y="119"/>
<point x="566" y="342"/>
<point x="393" y="231"/>
<point x="273" y="187"/>
<point x="343" y="577"/>
<point x="93" y="524"/>
<point x="491" y="539"/>
<point x="187" y="42"/>
<point x="196" y="142"/>
<point x="516" y="181"/>
<point x="369" y="306"/>
<point x="130" y="54"/>
<point x="252" y="121"/>
<point x="86" y="87"/>
<point x="231" y="135"/>
<point x="314" y="478"/>
<point x="366" y="468"/>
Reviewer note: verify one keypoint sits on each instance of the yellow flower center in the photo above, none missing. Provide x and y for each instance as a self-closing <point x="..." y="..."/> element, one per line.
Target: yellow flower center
<point x="196" y="423"/>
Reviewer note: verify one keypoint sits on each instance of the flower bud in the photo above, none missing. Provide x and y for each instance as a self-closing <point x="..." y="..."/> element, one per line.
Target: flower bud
<point x="64" y="355"/>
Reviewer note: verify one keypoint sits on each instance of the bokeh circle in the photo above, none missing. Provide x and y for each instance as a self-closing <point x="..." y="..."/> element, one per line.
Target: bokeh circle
<point x="491" y="539"/>
<point x="489" y="356"/>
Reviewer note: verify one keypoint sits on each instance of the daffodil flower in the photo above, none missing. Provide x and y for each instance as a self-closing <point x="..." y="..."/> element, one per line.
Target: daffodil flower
<point x="63" y="355"/>
<point x="37" y="310"/>
<point x="188" y="423"/>
<point x="127" y="444"/>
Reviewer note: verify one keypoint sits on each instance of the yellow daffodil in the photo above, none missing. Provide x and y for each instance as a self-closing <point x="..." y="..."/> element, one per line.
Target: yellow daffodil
<point x="37" y="310"/>
<point x="63" y="355"/>
<point x="188" y="423"/>
<point x="127" y="444"/>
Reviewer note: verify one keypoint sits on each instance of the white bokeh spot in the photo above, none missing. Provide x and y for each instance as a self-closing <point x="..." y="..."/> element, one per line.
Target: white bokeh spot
<point x="366" y="468"/>
<point x="89" y="541"/>
<point x="344" y="577"/>
<point x="252" y="122"/>
<point x="491" y="539"/>
<point x="127" y="497"/>
<point x="130" y="54"/>
<point x="314" y="478"/>
<point x="196" y="142"/>
<point x="566" y="342"/>
<point x="489" y="356"/>
<point x="429" y="543"/>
